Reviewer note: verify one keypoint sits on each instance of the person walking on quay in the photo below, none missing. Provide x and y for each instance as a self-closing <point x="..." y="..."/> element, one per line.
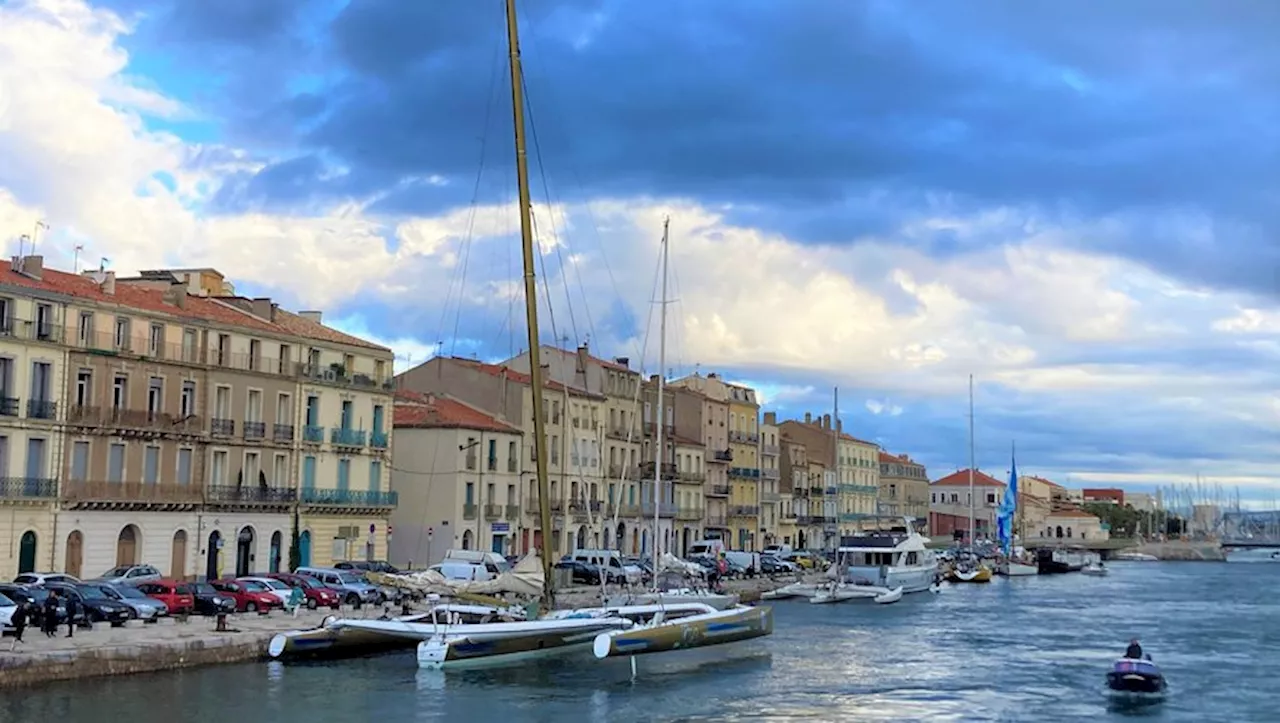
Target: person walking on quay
<point x="73" y="607"/>
<point x="19" y="623"/>
<point x="49" y="621"/>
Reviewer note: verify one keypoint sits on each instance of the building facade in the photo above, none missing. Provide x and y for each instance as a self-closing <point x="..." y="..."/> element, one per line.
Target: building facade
<point x="951" y="504"/>
<point x="770" y="476"/>
<point x="903" y="488"/>
<point x="859" y="473"/>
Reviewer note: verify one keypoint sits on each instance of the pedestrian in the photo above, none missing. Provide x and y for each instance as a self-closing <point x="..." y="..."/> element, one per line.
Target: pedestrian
<point x="19" y="623"/>
<point x="73" y="607"/>
<point x="49" y="622"/>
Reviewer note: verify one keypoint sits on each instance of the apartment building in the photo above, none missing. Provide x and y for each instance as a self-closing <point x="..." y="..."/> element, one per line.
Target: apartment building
<point x="691" y="474"/>
<point x="457" y="477"/>
<point x="904" y="488"/>
<point x="770" y="475"/>
<point x="951" y="503"/>
<point x="170" y="421"/>
<point x="817" y="503"/>
<point x="793" y="486"/>
<point x="731" y="488"/>
<point x="858" y="472"/>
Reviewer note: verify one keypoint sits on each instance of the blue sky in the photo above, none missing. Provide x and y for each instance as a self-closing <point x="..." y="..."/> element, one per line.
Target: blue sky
<point x="1078" y="207"/>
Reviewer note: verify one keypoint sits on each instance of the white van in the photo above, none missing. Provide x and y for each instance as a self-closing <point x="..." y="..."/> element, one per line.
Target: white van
<point x="707" y="548"/>
<point x="493" y="562"/>
<point x="778" y="551"/>
<point x="612" y="561"/>
<point x="459" y="570"/>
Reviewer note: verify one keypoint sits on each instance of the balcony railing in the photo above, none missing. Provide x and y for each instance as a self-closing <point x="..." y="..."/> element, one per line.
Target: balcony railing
<point x="693" y="476"/>
<point x="739" y="437"/>
<point x="744" y="472"/>
<point x="251" y="494"/>
<point x="117" y="417"/>
<point x="311" y="434"/>
<point x="621" y="431"/>
<point x="715" y="520"/>
<point x="28" y="488"/>
<point x="222" y="427"/>
<point x="689" y="513"/>
<point x="723" y="455"/>
<point x="816" y="489"/>
<point x="99" y="491"/>
<point x="255" y="430"/>
<point x="469" y="511"/>
<point x="513" y="511"/>
<point x="768" y="497"/>
<point x="381" y="440"/>
<point x="770" y="449"/>
<point x="744" y="511"/>
<point x="282" y="432"/>
<point x="350" y="498"/>
<point x="647" y="470"/>
<point x="717" y="490"/>
<point x="345" y="437"/>
<point x="41" y="409"/>
<point x="337" y="374"/>
<point x="492" y="512"/>
<point x="789" y="515"/>
<point x="831" y="490"/>
<point x="627" y="509"/>
<point x="804" y="520"/>
<point x="9" y="406"/>
<point x="665" y="509"/>
<point x="768" y="473"/>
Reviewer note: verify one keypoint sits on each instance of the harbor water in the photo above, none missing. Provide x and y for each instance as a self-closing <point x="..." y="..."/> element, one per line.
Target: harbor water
<point x="1026" y="649"/>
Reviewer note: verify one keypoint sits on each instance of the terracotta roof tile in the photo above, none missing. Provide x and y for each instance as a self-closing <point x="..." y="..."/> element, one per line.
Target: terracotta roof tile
<point x="886" y="457"/>
<point x="522" y="378"/>
<point x="439" y="411"/>
<point x="1049" y="482"/>
<point x="961" y="478"/>
<point x="850" y="438"/>
<point x="302" y="326"/>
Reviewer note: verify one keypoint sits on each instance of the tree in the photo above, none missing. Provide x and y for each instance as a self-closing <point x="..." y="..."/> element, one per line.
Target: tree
<point x="295" y="544"/>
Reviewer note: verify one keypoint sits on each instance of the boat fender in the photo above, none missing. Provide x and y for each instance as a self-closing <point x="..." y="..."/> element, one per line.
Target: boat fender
<point x="328" y="620"/>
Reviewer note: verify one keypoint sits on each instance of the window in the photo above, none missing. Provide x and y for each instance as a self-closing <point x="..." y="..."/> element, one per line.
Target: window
<point x="155" y="396"/>
<point x="379" y="417"/>
<point x="188" y="400"/>
<point x="151" y="465"/>
<point x="35" y="456"/>
<point x="84" y="329"/>
<point x="313" y="411"/>
<point x="375" y="476"/>
<point x="155" y="343"/>
<point x="471" y="453"/>
<point x="255" y="354"/>
<point x="218" y="468"/>
<point x="308" y="473"/>
<point x="253" y="413"/>
<point x="347" y="412"/>
<point x="6" y="378"/>
<point x="222" y="403"/>
<point x="115" y="462"/>
<point x="80" y="460"/>
<point x="84" y="388"/>
<point x="6" y="315"/>
<point x="224" y="350"/>
<point x="41" y="379"/>
<point x="44" y="321"/>
<point x="348" y="364"/>
<point x="122" y="332"/>
<point x="380" y="370"/>
<point x="493" y="455"/>
<point x="344" y="475"/>
<point x="184" y="466"/>
<point x="313" y="359"/>
<point x="280" y="471"/>
<point x="120" y="392"/>
<point x="190" y="345"/>
<point x="282" y="364"/>
<point x="252" y="468"/>
<point x="284" y="409"/>
<point x="512" y="457"/>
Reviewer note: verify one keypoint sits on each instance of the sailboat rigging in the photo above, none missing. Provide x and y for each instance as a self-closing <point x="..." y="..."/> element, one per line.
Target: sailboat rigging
<point x="970" y="569"/>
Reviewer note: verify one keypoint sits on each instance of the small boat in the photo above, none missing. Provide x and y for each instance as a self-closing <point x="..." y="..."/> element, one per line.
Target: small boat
<point x="660" y="635"/>
<point x="1096" y="569"/>
<point x="336" y="637"/>
<point x="1137" y="679"/>
<point x="1017" y="569"/>
<point x="1135" y="557"/>
<point x="793" y="590"/>
<point x="982" y="573"/>
<point x="841" y="593"/>
<point x="890" y="597"/>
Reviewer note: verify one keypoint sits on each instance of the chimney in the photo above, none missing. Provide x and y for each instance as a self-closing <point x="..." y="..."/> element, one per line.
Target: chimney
<point x="176" y="295"/>
<point x="771" y="418"/>
<point x="315" y="316"/>
<point x="107" y="281"/>
<point x="808" y="418"/>
<point x="624" y="361"/>
<point x="31" y="266"/>
<point x="264" y="309"/>
<point x="653" y="378"/>
<point x="583" y="355"/>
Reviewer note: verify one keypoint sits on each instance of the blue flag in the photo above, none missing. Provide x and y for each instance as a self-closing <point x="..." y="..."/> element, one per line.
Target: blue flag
<point x="1008" y="506"/>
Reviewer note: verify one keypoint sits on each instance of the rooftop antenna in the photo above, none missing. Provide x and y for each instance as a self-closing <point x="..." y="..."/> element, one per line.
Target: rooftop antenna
<point x="22" y="245"/>
<point x="75" y="259"/>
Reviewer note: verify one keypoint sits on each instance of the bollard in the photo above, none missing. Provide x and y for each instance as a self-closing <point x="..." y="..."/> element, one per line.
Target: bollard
<point x="404" y="608"/>
<point x="222" y="623"/>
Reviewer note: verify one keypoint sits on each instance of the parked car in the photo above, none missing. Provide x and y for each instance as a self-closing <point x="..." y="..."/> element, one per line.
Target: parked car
<point x="347" y="584"/>
<point x="273" y="586"/>
<point x="7" y="608"/>
<point x="771" y="565"/>
<point x="94" y="605"/>
<point x="584" y="573"/>
<point x="144" y="608"/>
<point x="130" y="574"/>
<point x="317" y="594"/>
<point x="40" y="578"/>
<point x="248" y="597"/>
<point x="175" y="595"/>
<point x="209" y="600"/>
<point x="367" y="566"/>
<point x="34" y="597"/>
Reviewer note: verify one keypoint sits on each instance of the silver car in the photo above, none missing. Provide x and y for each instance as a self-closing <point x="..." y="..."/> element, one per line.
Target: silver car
<point x="130" y="574"/>
<point x="145" y="608"/>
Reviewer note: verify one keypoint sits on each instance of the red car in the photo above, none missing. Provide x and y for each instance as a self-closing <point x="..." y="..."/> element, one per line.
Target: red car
<point x="316" y="594"/>
<point x="246" y="598"/>
<point x="176" y="595"/>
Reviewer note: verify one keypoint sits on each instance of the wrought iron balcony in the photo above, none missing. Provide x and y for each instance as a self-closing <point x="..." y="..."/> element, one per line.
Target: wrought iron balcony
<point x="492" y="512"/>
<point x="665" y="509"/>
<point x="345" y="437"/>
<point x="738" y="437"/>
<point x="770" y="449"/>
<point x="768" y="473"/>
<point x="513" y="511"/>
<point x="381" y="440"/>
<point x="41" y="409"/>
<point x="311" y="434"/>
<point x="251" y="494"/>
<point x="255" y="430"/>
<point x="744" y="472"/>
<point x="693" y="477"/>
<point x="717" y="490"/>
<point x="282" y="432"/>
<point x="647" y="470"/>
<point x="350" y="498"/>
<point x="744" y="511"/>
<point x="723" y="455"/>
<point x="8" y="406"/>
<point x="689" y="513"/>
<point x="715" y="520"/>
<point x="222" y="427"/>
<point x="469" y="511"/>
<point x="338" y="374"/>
<point x="28" y="488"/>
<point x="145" y="492"/>
<point x="768" y="497"/>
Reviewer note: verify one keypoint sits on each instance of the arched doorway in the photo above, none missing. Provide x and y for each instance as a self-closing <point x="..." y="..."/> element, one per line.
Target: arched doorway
<point x="582" y="537"/>
<point x="73" y="561"/>
<point x="244" y="551"/>
<point x="644" y="541"/>
<point x="684" y="549"/>
<point x="277" y="539"/>
<point x="127" y="545"/>
<point x="466" y="540"/>
<point x="178" y="556"/>
<point x="304" y="549"/>
<point x="27" y="552"/>
<point x="211" y="571"/>
<point x="622" y="537"/>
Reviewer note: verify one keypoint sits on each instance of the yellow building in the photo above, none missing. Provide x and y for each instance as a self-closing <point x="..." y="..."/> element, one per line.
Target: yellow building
<point x="770" y="476"/>
<point x="859" y="472"/>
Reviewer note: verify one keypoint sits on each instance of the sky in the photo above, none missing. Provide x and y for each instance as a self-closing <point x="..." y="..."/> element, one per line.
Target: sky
<point x="1078" y="207"/>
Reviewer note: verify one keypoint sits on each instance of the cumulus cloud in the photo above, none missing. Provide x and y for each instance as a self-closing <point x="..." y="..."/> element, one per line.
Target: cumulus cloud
<point x="1027" y="212"/>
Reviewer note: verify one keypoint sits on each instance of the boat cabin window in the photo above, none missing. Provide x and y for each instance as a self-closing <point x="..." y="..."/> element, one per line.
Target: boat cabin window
<point x="913" y="558"/>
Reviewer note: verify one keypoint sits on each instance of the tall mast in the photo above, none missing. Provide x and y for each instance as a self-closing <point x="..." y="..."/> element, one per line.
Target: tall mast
<point x="1017" y="499"/>
<point x="531" y="308"/>
<point x="835" y="457"/>
<point x="972" y="536"/>
<point x="662" y="412"/>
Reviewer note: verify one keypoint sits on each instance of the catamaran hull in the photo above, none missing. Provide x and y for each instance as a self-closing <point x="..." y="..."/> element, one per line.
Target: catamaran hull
<point x="466" y="649"/>
<point x="715" y="600"/>
<point x="715" y="628"/>
<point x="1017" y="569"/>
<point x="332" y="643"/>
<point x="794" y="590"/>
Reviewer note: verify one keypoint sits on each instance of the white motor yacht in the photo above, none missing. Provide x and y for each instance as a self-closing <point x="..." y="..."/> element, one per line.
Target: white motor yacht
<point x="881" y="561"/>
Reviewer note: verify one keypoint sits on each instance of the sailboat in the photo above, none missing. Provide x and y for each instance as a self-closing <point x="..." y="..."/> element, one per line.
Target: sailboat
<point x="970" y="569"/>
<point x="1013" y="564"/>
